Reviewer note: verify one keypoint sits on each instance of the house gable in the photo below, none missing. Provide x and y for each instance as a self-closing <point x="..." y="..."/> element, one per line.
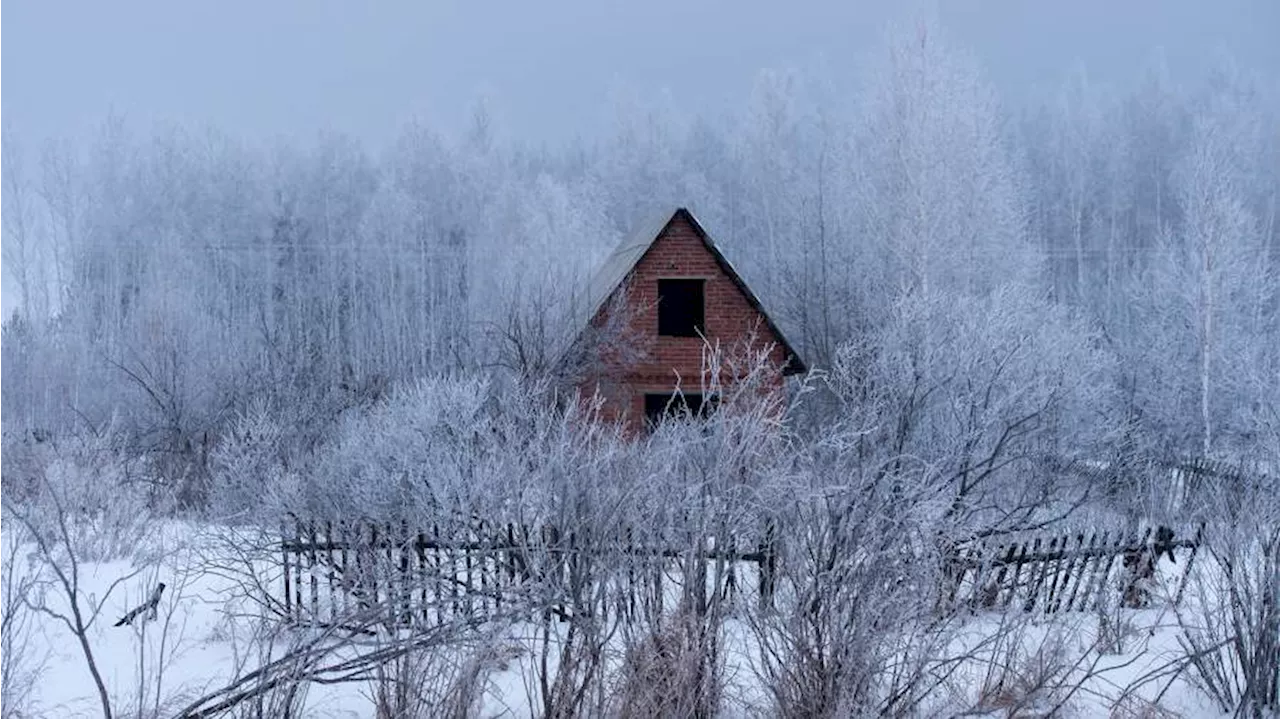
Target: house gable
<point x="678" y="255"/>
<point x="676" y="246"/>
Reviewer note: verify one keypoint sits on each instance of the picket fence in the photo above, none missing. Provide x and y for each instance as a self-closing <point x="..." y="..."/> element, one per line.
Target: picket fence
<point x="473" y="571"/>
<point x="476" y="570"/>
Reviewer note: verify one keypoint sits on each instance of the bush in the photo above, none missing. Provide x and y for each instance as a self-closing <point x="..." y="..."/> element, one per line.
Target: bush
<point x="1230" y="626"/>
<point x="674" y="669"/>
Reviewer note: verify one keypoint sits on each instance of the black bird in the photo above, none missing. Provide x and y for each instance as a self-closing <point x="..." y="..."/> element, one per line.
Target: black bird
<point x="148" y="606"/>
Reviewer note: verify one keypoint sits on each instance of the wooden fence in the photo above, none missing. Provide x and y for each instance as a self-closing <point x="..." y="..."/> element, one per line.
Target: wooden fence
<point x="1196" y="477"/>
<point x="1078" y="571"/>
<point x="472" y="571"/>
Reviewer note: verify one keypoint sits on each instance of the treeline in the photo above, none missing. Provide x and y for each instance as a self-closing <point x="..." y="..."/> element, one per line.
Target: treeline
<point x="1102" y="266"/>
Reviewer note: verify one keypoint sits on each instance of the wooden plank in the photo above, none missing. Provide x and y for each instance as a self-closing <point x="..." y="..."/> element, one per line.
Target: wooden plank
<point x="655" y="596"/>
<point x="284" y="553"/>
<point x="438" y="562"/>
<point x="297" y="570"/>
<point x="512" y="552"/>
<point x="1084" y="600"/>
<point x="388" y="572"/>
<point x="957" y="564"/>
<point x="995" y="568"/>
<point x="1107" y="562"/>
<point x="1016" y="579"/>
<point x="982" y="560"/>
<point x="1133" y="577"/>
<point x="991" y="593"/>
<point x="469" y="559"/>
<point x="1039" y="572"/>
<point x="314" y="560"/>
<point x="767" y="566"/>
<point x="1061" y="574"/>
<point x="631" y="574"/>
<point x="347" y="583"/>
<point x="486" y="579"/>
<point x="730" y="580"/>
<point x="371" y="562"/>
<point x="1186" y="569"/>
<point x="420" y="556"/>
<point x="406" y="579"/>
<point x="1081" y="571"/>
<point x="332" y="573"/>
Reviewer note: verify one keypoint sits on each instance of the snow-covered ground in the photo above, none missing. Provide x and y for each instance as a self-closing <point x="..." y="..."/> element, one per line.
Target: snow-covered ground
<point x="209" y="628"/>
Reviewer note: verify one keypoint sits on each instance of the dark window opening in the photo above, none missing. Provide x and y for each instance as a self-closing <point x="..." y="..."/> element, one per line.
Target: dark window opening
<point x="661" y="407"/>
<point x="681" y="308"/>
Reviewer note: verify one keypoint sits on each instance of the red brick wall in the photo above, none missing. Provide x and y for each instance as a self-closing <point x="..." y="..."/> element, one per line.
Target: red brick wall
<point x="730" y="319"/>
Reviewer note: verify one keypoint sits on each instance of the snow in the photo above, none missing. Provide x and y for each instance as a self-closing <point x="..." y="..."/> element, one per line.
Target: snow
<point x="205" y="629"/>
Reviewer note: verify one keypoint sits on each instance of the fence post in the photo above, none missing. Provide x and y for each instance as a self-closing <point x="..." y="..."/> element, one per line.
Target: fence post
<point x="1015" y="582"/>
<point x="406" y="584"/>
<point x="1186" y="569"/>
<point x="469" y="544"/>
<point x="347" y="583"/>
<point x="1033" y="576"/>
<point x="284" y="551"/>
<point x="768" y="564"/>
<point x="333" y="590"/>
<point x="1063" y="579"/>
<point x="314" y="557"/>
<point x="730" y="561"/>
<point x="631" y="573"/>
<point x="371" y="562"/>
<point x="420" y="552"/>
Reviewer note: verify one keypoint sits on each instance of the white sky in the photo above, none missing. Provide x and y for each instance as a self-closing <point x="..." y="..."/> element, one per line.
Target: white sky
<point x="267" y="68"/>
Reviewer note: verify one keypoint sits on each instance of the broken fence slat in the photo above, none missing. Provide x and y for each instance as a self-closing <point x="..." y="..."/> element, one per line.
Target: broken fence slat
<point x="1069" y="572"/>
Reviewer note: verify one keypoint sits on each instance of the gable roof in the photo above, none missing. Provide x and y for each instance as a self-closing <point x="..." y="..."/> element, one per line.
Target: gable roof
<point x="618" y="266"/>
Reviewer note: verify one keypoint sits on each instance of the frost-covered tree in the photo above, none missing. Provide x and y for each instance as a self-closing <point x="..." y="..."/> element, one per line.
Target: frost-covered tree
<point x="939" y="199"/>
<point x="1208" y="297"/>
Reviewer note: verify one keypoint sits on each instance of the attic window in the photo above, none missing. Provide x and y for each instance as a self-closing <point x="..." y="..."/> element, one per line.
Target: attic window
<point x="681" y="308"/>
<point x="659" y="407"/>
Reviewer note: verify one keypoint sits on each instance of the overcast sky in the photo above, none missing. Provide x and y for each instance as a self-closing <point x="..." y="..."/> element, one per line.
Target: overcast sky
<point x="262" y="69"/>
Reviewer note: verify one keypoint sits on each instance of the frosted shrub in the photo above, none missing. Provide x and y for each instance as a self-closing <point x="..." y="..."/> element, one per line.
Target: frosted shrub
<point x="676" y="668"/>
<point x="1230" y="626"/>
<point x="423" y="448"/>
<point x="250" y="476"/>
<point x="90" y="484"/>
<point x="850" y="630"/>
<point x="435" y="682"/>
<point x="21" y="656"/>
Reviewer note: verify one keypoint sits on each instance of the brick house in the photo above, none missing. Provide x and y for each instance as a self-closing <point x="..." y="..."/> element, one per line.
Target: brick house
<point x="666" y="288"/>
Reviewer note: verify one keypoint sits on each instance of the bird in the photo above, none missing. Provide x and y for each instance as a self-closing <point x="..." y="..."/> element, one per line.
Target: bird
<point x="148" y="606"/>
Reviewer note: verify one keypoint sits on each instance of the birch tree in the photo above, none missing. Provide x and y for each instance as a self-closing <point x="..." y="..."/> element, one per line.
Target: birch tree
<point x="1210" y="274"/>
<point x="937" y="187"/>
<point x="21" y="252"/>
